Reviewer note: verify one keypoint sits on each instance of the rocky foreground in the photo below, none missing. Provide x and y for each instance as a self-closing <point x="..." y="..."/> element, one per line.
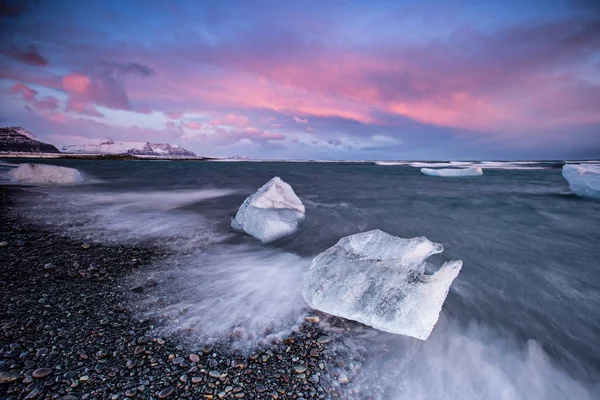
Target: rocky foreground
<point x="67" y="331"/>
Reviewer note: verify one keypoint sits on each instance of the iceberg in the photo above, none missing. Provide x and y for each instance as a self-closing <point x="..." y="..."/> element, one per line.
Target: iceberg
<point x="379" y="280"/>
<point x="272" y="212"/>
<point x="451" y="172"/>
<point x="43" y="174"/>
<point x="584" y="180"/>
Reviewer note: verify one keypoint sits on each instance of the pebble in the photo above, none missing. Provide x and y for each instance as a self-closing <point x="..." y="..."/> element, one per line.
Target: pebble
<point x="299" y="369"/>
<point x="3" y="244"/>
<point x="313" y="319"/>
<point x="41" y="352"/>
<point x="323" y="339"/>
<point x="163" y="394"/>
<point x="194" y="358"/>
<point x="41" y="373"/>
<point x="343" y="379"/>
<point x="85" y="246"/>
<point x="33" y="394"/>
<point x="139" y="350"/>
<point x="8" y="376"/>
<point x="178" y="360"/>
<point x="49" y="266"/>
<point x="119" y="308"/>
<point x="214" y="374"/>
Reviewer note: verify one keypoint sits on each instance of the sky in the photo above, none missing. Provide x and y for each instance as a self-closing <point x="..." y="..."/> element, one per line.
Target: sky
<point x="308" y="79"/>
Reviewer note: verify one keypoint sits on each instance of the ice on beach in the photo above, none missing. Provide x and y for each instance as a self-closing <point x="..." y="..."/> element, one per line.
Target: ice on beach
<point x="43" y="174"/>
<point x="584" y="180"/>
<point x="273" y="211"/>
<point x="378" y="279"/>
<point x="451" y="172"/>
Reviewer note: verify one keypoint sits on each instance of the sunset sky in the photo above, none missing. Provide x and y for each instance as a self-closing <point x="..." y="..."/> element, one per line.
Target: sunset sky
<point x="308" y="79"/>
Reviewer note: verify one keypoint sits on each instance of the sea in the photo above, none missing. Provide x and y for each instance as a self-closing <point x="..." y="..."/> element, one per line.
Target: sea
<point x="521" y="320"/>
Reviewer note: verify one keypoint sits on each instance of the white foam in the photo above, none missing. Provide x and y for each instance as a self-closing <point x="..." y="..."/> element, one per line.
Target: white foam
<point x="249" y="292"/>
<point x="43" y="174"/>
<point x="513" y="165"/>
<point x="452" y="172"/>
<point x="458" y="363"/>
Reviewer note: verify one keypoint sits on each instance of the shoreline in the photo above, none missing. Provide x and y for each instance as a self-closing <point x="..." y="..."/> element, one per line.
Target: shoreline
<point x="68" y="330"/>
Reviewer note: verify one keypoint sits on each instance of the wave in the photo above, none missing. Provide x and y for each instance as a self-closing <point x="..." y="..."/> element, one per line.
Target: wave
<point x="455" y="362"/>
<point x="159" y="217"/>
<point x="510" y="165"/>
<point x="248" y="293"/>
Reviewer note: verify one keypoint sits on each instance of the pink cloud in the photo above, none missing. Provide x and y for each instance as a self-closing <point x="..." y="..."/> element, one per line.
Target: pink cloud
<point x="31" y="97"/>
<point x="192" y="125"/>
<point x="219" y="136"/>
<point x="300" y="120"/>
<point x="77" y="83"/>
<point x="232" y="119"/>
<point x="174" y="115"/>
<point x="491" y="89"/>
<point x="88" y="91"/>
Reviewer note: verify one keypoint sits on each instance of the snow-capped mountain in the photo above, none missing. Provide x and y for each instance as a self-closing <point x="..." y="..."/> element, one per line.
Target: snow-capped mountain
<point x="15" y="139"/>
<point x="109" y="146"/>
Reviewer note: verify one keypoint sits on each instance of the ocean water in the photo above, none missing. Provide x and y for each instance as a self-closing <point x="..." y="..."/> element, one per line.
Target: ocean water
<point x="521" y="321"/>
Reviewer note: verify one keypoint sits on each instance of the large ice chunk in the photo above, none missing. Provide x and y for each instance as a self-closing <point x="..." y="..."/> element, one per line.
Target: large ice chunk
<point x="378" y="279"/>
<point x="43" y="174"/>
<point x="273" y="211"/>
<point x="584" y="180"/>
<point x="451" y="172"/>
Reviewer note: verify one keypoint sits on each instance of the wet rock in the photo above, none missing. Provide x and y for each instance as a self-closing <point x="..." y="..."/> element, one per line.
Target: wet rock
<point x="41" y="352"/>
<point x="163" y="394"/>
<point x="9" y="376"/>
<point x="41" y="373"/>
<point x="299" y="369"/>
<point x="194" y="358"/>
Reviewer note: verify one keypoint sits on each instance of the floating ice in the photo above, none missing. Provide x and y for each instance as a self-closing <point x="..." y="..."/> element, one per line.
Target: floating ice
<point x="584" y="180"/>
<point x="378" y="279"/>
<point x="451" y="172"/>
<point x="273" y="211"/>
<point x="43" y="174"/>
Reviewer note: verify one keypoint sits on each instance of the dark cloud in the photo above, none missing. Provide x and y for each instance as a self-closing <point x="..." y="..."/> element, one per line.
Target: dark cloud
<point x="132" y="68"/>
<point x="30" y="56"/>
<point x="16" y="8"/>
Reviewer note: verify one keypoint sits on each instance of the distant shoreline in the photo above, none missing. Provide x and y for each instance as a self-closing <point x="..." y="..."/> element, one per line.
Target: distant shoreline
<point x="117" y="157"/>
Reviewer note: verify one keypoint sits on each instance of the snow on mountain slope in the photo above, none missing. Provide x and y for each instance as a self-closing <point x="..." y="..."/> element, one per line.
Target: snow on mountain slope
<point x="109" y="146"/>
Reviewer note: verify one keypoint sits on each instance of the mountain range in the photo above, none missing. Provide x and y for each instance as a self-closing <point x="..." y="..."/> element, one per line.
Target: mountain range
<point x="15" y="139"/>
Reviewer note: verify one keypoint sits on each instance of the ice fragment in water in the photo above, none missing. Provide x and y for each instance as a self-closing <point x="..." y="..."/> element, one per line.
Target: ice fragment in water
<point x="273" y="211"/>
<point x="451" y="172"/>
<point x="378" y="279"/>
<point x="584" y="180"/>
<point x="43" y="174"/>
